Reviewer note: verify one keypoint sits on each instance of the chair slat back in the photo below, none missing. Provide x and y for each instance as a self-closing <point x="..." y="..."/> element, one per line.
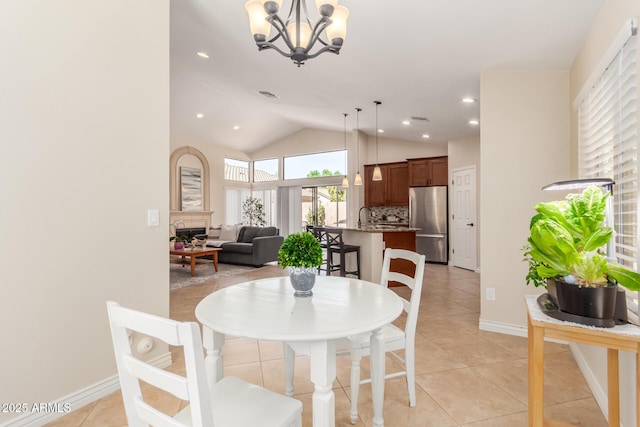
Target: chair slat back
<point x="154" y="417"/>
<point x="320" y="233"/>
<point x="412" y="306"/>
<point x="334" y="237"/>
<point x="174" y="384"/>
<point x="131" y="369"/>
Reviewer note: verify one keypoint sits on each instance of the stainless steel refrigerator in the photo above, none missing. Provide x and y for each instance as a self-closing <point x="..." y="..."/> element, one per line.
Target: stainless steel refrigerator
<point x="428" y="211"/>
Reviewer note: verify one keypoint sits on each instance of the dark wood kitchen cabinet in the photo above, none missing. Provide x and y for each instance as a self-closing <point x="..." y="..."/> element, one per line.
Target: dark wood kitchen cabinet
<point x="401" y="240"/>
<point x="375" y="192"/>
<point x="428" y="171"/>
<point x="393" y="190"/>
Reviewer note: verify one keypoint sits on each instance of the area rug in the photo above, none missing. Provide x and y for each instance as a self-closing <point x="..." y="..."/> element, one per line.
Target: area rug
<point x="180" y="275"/>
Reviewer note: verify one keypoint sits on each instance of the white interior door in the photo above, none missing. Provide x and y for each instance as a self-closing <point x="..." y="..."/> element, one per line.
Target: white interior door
<point x="464" y="248"/>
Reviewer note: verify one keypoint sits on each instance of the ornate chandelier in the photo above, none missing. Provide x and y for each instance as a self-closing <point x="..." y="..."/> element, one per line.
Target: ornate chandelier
<point x="298" y="34"/>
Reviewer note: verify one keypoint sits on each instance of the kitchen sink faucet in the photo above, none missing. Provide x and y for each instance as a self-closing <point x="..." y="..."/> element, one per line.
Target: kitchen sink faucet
<point x="360" y="211"/>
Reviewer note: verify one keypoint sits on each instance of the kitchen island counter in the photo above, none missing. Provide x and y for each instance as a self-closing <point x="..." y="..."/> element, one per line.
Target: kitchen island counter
<point x="373" y="241"/>
<point x="400" y="228"/>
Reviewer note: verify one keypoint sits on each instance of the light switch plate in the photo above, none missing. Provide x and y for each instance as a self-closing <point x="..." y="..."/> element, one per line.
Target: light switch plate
<point x="153" y="217"/>
<point x="491" y="294"/>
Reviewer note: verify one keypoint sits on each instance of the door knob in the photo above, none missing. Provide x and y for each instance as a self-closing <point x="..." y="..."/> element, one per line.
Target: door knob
<point x="470" y="224"/>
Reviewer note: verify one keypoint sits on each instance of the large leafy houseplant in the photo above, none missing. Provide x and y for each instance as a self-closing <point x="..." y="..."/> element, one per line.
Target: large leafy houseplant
<point x="566" y="242"/>
<point x="253" y="212"/>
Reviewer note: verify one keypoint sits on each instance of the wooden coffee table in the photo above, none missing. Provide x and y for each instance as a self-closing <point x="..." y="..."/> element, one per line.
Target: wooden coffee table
<point x="194" y="253"/>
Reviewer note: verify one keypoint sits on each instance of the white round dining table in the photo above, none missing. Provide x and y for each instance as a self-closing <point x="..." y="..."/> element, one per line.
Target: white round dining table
<point x="267" y="310"/>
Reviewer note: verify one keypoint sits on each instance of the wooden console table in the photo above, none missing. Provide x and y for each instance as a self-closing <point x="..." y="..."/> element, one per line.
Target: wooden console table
<point x="623" y="337"/>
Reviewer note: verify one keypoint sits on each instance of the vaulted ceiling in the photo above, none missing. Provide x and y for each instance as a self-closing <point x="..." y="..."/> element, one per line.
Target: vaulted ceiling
<point x="418" y="57"/>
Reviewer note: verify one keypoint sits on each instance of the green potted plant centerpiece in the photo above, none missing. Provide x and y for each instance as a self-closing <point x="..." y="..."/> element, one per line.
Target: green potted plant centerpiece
<point x="301" y="253"/>
<point x="565" y="253"/>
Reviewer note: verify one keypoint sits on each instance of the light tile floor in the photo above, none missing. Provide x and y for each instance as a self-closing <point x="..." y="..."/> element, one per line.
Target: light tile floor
<point x="465" y="377"/>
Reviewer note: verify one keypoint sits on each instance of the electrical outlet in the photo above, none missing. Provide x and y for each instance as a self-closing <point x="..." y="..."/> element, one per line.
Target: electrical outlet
<point x="491" y="294"/>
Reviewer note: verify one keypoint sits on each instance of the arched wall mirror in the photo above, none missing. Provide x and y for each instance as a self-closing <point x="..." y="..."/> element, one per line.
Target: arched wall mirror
<point x="189" y="188"/>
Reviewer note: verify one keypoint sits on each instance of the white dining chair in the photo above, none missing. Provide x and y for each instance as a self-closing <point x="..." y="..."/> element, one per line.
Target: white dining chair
<point x="394" y="338"/>
<point x="231" y="403"/>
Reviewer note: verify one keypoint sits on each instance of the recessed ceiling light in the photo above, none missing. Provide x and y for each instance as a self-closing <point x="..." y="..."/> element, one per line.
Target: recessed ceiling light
<point x="425" y="135"/>
<point x="474" y="122"/>
<point x="199" y="115"/>
<point x="236" y="127"/>
<point x="406" y="122"/>
<point x="380" y="130"/>
<point x="202" y="55"/>
<point x="468" y="100"/>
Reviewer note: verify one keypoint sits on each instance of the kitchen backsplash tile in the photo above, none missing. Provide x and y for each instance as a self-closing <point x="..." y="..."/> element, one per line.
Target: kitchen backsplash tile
<point x="390" y="214"/>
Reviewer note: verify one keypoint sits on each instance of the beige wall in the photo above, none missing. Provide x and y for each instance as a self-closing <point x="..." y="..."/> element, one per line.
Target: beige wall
<point x="398" y="150"/>
<point x="607" y="25"/>
<point x="524" y="145"/>
<point x="462" y="153"/>
<point x="84" y="117"/>
<point x="303" y="142"/>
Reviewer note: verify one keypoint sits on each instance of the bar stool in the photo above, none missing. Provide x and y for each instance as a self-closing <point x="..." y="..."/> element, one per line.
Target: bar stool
<point x="319" y="232"/>
<point x="335" y="245"/>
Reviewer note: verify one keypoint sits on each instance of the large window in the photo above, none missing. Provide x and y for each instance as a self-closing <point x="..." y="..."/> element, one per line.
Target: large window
<point x="315" y="165"/>
<point x="265" y="170"/>
<point x="608" y="145"/>
<point x="325" y="205"/>
<point x="236" y="170"/>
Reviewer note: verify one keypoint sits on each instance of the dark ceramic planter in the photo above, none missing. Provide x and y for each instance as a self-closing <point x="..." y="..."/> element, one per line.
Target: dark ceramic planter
<point x="598" y="303"/>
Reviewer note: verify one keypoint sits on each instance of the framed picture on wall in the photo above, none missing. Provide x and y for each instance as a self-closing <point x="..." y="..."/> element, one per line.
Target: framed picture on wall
<point x="191" y="188"/>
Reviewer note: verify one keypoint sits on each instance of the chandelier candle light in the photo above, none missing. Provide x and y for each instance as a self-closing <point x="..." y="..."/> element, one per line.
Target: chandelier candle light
<point x="358" y="179"/>
<point x="377" y="173"/>
<point x="297" y="32"/>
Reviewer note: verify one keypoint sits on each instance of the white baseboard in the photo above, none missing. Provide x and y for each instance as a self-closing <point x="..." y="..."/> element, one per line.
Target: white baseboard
<point x="78" y="399"/>
<point x="502" y="328"/>
<point x="509" y="329"/>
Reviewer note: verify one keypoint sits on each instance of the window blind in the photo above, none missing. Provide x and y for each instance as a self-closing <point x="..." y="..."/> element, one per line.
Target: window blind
<point x="608" y="148"/>
<point x="234" y="198"/>
<point x="268" y="199"/>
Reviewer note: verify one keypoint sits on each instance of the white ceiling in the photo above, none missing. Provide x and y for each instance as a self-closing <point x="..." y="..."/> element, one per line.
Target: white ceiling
<point x="419" y="57"/>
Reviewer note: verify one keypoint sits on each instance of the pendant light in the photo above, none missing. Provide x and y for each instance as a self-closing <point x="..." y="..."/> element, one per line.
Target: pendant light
<point x="358" y="179"/>
<point x="345" y="180"/>
<point x="377" y="173"/>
